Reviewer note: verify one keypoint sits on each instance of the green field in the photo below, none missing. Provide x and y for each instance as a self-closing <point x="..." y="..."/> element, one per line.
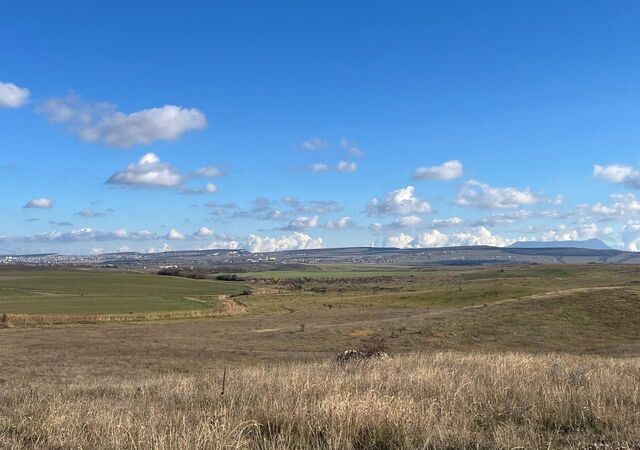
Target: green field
<point x="90" y="292"/>
<point x="331" y="271"/>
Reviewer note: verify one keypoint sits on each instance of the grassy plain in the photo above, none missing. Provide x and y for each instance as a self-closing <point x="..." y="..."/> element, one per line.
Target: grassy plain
<point x="506" y="357"/>
<point x="29" y="291"/>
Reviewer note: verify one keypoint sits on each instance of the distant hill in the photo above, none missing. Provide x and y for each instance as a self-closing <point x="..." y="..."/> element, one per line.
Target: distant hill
<point x="591" y="244"/>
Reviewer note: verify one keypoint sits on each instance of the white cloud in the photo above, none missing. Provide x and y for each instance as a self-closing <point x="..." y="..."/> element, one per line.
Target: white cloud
<point x="204" y="232"/>
<point x="164" y="248"/>
<point x="627" y="202"/>
<point x="406" y="222"/>
<point x="303" y="223"/>
<point x="618" y="174"/>
<point x="515" y="216"/>
<point x="622" y="205"/>
<point x="400" y="201"/>
<point x="85" y="234"/>
<point x="340" y="224"/>
<point x="43" y="202"/>
<point x="314" y="143"/>
<point x="478" y="236"/>
<point x="564" y="233"/>
<point x="352" y="148"/>
<point x="400" y="240"/>
<point x="12" y="96"/>
<point x="294" y="241"/>
<point x="346" y="167"/>
<point x="88" y="212"/>
<point x="449" y="222"/>
<point x="208" y="188"/>
<point x="175" y="235"/>
<point x="448" y="170"/>
<point x="631" y="236"/>
<point x="149" y="172"/>
<point x="435" y="238"/>
<point x="102" y="123"/>
<point x="208" y="172"/>
<point x="481" y="195"/>
<point x="318" y="167"/>
<point x="224" y="243"/>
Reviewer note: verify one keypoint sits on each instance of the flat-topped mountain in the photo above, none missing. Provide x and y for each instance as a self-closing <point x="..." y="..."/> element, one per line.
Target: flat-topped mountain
<point x="591" y="244"/>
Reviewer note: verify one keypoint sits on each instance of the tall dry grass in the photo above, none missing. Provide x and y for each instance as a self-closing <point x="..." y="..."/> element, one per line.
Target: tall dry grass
<point x="442" y="400"/>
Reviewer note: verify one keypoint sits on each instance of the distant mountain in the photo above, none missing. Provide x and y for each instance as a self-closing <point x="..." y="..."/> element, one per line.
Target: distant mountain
<point x="591" y="244"/>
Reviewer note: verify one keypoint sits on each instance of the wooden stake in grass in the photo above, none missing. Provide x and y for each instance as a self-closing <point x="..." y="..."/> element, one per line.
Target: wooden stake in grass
<point x="224" y="381"/>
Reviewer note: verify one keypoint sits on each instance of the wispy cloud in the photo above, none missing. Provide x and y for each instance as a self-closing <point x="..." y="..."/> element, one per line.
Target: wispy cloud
<point x="42" y="202"/>
<point x="314" y="143"/>
<point x="12" y="96"/>
<point x="103" y="123"/>
<point x="480" y="195"/>
<point x="448" y="170"/>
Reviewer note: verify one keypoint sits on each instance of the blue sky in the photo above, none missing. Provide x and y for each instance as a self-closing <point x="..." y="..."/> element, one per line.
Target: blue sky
<point x="278" y="125"/>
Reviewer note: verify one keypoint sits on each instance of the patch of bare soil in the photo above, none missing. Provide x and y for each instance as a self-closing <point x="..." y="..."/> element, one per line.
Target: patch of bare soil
<point x="231" y="307"/>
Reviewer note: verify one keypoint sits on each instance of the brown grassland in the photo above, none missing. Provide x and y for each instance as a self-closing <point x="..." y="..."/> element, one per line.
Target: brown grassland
<point x="482" y="358"/>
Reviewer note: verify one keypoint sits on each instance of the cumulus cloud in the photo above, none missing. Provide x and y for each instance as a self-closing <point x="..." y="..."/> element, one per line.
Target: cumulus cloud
<point x="627" y="202"/>
<point x="618" y="174"/>
<point x="406" y="222"/>
<point x="175" y="235"/>
<point x="448" y="170"/>
<point x="346" y="167"/>
<point x="204" y="232"/>
<point x="149" y="171"/>
<point x="400" y="240"/>
<point x="42" y="202"/>
<point x="401" y="201"/>
<point x="302" y="223"/>
<point x="225" y="244"/>
<point x="479" y="236"/>
<point x="162" y="249"/>
<point x="435" y="238"/>
<point x="481" y="195"/>
<point x="12" y="96"/>
<point x="565" y="233"/>
<point x="340" y="224"/>
<point x="294" y="241"/>
<point x="621" y="205"/>
<point x="102" y="123"/>
<point x="432" y="238"/>
<point x="631" y="236"/>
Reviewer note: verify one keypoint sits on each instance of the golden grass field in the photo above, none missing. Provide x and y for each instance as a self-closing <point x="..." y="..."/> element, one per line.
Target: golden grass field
<point x="481" y="358"/>
<point x="430" y="401"/>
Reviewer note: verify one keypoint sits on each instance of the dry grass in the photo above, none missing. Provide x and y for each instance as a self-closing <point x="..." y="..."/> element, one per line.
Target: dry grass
<point x="441" y="400"/>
